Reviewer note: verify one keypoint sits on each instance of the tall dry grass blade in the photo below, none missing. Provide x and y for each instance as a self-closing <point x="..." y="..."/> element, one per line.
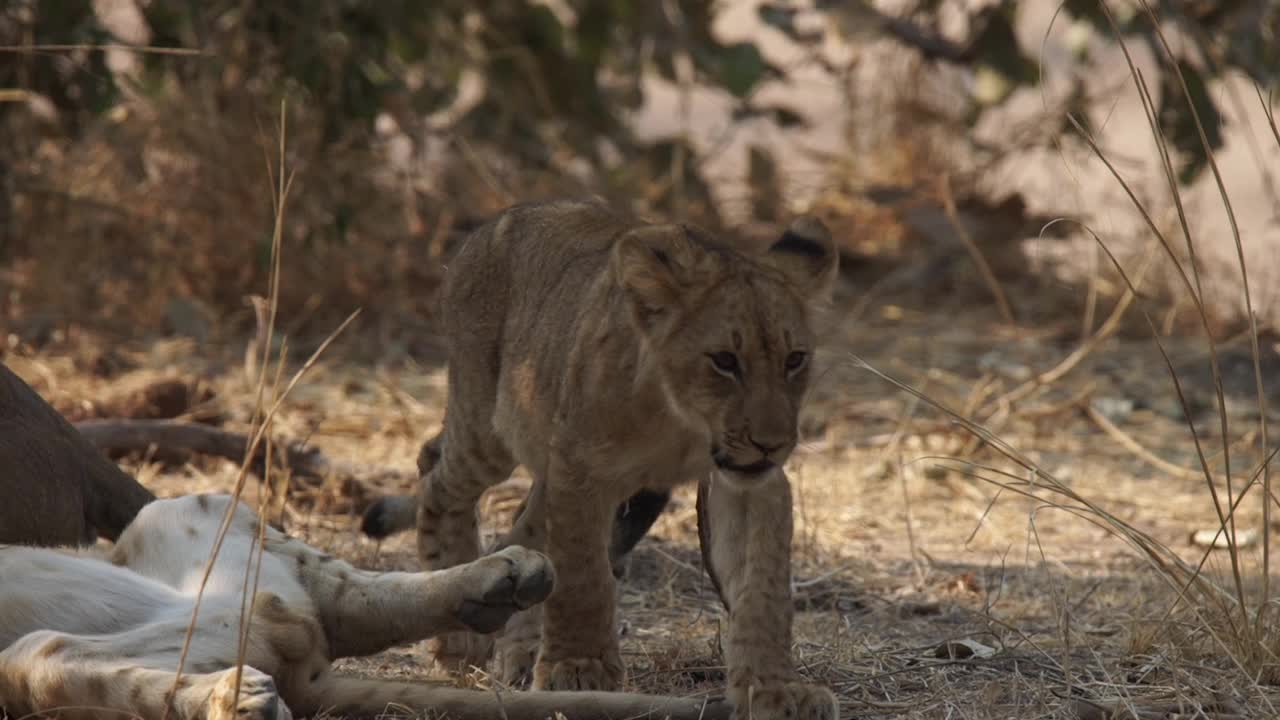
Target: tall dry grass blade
<point x="250" y="453"/>
<point x="1168" y="565"/>
<point x="1167" y="559"/>
<point x="1269" y="112"/>
<point x="258" y="435"/>
<point x="1215" y="369"/>
<point x="1225" y="519"/>
<point x="258" y="544"/>
<point x="1146" y="215"/>
<point x="1085" y="348"/>
<point x="279" y="200"/>
<point x="1248" y="303"/>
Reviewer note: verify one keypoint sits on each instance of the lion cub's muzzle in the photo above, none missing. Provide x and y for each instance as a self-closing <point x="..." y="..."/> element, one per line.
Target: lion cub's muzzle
<point x="759" y="467"/>
<point x="765" y="460"/>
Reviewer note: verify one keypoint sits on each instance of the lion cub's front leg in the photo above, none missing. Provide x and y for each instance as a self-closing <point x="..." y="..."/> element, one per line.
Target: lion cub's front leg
<point x="746" y="545"/>
<point x="579" y="645"/>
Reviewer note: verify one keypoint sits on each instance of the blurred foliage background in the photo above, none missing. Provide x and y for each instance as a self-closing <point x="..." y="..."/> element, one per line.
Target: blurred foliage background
<point x="135" y="190"/>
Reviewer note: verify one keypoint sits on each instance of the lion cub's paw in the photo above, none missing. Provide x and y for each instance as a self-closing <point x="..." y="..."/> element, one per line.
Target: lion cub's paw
<point x="792" y="701"/>
<point x="499" y="585"/>
<point x="458" y="652"/>
<point x="258" y="699"/>
<point x="517" y="648"/>
<point x="814" y="702"/>
<point x="579" y="673"/>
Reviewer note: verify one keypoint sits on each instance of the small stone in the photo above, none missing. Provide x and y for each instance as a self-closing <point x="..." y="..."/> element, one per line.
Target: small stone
<point x="1115" y="409"/>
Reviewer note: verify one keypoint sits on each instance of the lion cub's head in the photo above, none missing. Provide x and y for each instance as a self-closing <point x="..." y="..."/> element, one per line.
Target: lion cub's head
<point x="729" y="334"/>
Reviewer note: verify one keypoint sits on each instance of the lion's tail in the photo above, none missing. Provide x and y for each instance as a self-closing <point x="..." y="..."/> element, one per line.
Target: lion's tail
<point x="354" y="697"/>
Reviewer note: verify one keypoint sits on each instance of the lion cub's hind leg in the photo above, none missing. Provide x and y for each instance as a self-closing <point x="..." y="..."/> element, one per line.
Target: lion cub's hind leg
<point x="517" y="646"/>
<point x="471" y="460"/>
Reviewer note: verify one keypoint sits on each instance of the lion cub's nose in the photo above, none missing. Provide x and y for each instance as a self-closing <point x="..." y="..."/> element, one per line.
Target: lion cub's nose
<point x="768" y="446"/>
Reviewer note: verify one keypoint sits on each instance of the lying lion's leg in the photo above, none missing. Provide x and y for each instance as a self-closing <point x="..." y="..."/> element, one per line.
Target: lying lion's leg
<point x="579" y="636"/>
<point x="746" y="547"/>
<point x="364" y="612"/>
<point x="83" y="677"/>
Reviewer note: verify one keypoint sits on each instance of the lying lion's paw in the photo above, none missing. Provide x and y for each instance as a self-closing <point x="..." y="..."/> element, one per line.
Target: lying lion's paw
<point x="504" y="583"/>
<point x="790" y="701"/>
<point x="579" y="673"/>
<point x="257" y="699"/>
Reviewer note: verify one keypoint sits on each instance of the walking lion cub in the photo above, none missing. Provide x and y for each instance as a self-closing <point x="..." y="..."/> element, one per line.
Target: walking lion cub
<point x="612" y="357"/>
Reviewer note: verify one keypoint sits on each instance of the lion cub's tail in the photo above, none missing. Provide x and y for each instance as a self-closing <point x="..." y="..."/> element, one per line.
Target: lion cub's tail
<point x="389" y="515"/>
<point x="396" y="513"/>
<point x="343" y="696"/>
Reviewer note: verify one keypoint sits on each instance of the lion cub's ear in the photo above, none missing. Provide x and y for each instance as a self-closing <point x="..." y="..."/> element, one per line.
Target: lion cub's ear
<point x="655" y="266"/>
<point x="807" y="255"/>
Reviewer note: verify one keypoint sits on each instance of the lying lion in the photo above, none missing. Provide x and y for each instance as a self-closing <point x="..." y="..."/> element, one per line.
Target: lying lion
<point x="91" y="634"/>
<point x="83" y="634"/>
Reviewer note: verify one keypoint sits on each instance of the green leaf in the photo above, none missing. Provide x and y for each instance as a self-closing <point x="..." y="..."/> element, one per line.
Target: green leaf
<point x="1128" y="16"/>
<point x="541" y="30"/>
<point x="997" y="46"/>
<point x="1078" y="107"/>
<point x="783" y="17"/>
<point x="1090" y="11"/>
<point x="784" y="116"/>
<point x="740" y="67"/>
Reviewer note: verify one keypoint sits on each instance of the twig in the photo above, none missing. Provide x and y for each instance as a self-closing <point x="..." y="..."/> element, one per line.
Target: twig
<point x="1136" y="448"/>
<point x="150" y="50"/>
<point x="1086" y="348"/>
<point x="984" y="268"/>
<point x="175" y="435"/>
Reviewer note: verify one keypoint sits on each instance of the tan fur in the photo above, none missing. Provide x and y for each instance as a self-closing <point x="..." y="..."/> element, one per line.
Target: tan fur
<point x="608" y="356"/>
<point x="85" y="636"/>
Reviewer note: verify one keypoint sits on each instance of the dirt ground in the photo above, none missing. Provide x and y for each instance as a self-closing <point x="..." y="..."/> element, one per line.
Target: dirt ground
<point x="922" y="589"/>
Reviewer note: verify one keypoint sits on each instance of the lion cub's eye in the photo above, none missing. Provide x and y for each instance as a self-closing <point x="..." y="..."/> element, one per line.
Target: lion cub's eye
<point x="796" y="360"/>
<point x="725" y="362"/>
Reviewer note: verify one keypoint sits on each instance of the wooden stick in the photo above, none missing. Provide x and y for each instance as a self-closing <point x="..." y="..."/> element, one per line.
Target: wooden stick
<point x="175" y="435"/>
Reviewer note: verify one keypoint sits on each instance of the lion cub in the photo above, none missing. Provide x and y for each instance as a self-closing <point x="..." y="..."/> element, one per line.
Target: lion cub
<point x="611" y="357"/>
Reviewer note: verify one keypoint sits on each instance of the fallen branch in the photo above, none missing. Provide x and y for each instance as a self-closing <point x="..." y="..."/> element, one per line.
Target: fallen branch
<point x="177" y="436"/>
<point x="1135" y="447"/>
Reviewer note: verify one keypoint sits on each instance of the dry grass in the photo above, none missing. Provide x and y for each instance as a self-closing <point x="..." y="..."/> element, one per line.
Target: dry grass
<point x="159" y="217"/>
<point x="895" y="558"/>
